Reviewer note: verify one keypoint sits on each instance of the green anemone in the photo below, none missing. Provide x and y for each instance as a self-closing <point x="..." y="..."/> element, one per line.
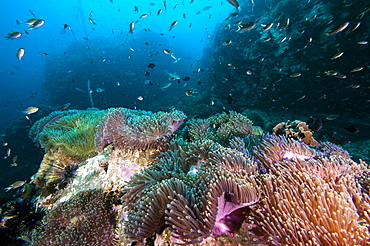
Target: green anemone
<point x="73" y="134"/>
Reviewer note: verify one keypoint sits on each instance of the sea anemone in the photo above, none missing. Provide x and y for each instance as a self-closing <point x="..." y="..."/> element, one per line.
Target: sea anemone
<point x="196" y="199"/>
<point x="84" y="219"/>
<point x="73" y="134"/>
<point x="364" y="180"/>
<point x="173" y="119"/>
<point x="274" y="148"/>
<point x="231" y="124"/>
<point x="330" y="149"/>
<point x="41" y="124"/>
<point x="299" y="207"/>
<point x="217" y="205"/>
<point x="221" y="128"/>
<point x="199" y="129"/>
<point x="136" y="130"/>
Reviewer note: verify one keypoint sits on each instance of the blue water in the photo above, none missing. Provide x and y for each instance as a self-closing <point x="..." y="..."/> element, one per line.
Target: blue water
<point x="23" y="82"/>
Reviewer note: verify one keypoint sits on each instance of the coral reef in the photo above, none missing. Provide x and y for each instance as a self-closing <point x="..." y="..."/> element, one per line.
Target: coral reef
<point x="217" y="181"/>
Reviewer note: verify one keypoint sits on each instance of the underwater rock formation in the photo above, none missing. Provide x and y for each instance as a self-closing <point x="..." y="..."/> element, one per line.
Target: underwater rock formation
<point x="232" y="184"/>
<point x="288" y="61"/>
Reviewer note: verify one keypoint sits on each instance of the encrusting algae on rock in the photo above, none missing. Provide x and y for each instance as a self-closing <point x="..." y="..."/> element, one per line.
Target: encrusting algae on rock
<point x="153" y="179"/>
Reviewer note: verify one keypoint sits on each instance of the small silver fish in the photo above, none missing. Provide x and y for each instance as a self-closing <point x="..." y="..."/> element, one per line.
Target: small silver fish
<point x="227" y="42"/>
<point x="244" y="27"/>
<point x="331" y="117"/>
<point x="267" y="27"/>
<point x="30" y="110"/>
<point x="339" y="28"/>
<point x="173" y="76"/>
<point x="15" y="185"/>
<point x="286" y="23"/>
<point x="35" y="23"/>
<point x="92" y="21"/>
<point x="167" y="52"/>
<point x="132" y="27"/>
<point x="362" y="42"/>
<point x="337" y="55"/>
<point x="13" y="35"/>
<point x="166" y="86"/>
<point x="173" y="24"/>
<point x="295" y="75"/>
<point x="20" y="53"/>
<point x="357" y="69"/>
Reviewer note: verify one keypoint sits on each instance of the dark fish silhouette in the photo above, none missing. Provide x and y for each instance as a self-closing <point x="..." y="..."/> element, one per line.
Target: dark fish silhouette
<point x="230" y="99"/>
<point x="315" y="124"/>
<point x="352" y="129"/>
<point x="337" y="138"/>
